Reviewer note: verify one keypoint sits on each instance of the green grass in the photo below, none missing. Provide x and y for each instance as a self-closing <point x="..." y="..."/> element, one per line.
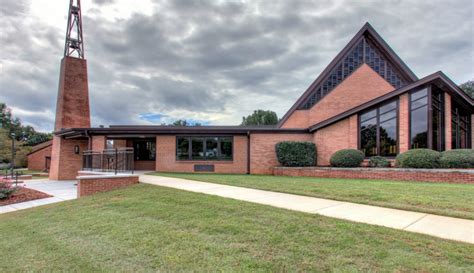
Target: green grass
<point x="436" y="198"/>
<point x="151" y="228"/>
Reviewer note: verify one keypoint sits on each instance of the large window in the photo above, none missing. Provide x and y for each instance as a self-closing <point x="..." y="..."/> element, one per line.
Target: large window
<point x="427" y="119"/>
<point x="204" y="148"/>
<point x="419" y="119"/>
<point x="378" y="130"/>
<point x="144" y="149"/>
<point x="460" y="128"/>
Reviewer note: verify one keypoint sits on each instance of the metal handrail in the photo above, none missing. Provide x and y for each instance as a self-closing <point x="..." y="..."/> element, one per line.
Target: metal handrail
<point x="108" y="160"/>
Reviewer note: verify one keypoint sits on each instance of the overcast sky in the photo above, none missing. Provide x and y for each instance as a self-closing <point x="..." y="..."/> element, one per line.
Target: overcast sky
<point x="151" y="62"/>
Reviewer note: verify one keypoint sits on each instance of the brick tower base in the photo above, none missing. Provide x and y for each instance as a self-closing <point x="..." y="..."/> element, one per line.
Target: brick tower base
<point x="65" y="163"/>
<point x="72" y="111"/>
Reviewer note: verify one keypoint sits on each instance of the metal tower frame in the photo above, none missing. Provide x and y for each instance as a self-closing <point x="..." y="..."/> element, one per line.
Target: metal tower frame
<point x="74" y="43"/>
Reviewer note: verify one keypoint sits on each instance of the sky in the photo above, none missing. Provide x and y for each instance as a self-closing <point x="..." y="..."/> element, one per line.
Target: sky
<point x="153" y="62"/>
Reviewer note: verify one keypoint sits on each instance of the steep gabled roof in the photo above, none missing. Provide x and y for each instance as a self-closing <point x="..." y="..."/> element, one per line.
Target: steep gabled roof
<point x="365" y="47"/>
<point x="438" y="77"/>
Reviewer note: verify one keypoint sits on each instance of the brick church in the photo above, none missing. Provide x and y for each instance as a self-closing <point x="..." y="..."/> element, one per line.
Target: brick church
<point x="367" y="98"/>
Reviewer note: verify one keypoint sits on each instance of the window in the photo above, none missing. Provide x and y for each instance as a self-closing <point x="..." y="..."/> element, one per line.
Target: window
<point x="419" y="119"/>
<point x="437" y="119"/>
<point x="204" y="148"/>
<point x="460" y="128"/>
<point x="144" y="149"/>
<point x="378" y="130"/>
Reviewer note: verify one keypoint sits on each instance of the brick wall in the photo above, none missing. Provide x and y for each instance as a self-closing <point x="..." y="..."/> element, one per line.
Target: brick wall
<point x="404" y="123"/>
<point x="166" y="157"/>
<point x="64" y="162"/>
<point x="363" y="85"/>
<point x="340" y="135"/>
<point x="88" y="185"/>
<point x="98" y="143"/>
<point x="262" y="150"/>
<point x="454" y="176"/>
<point x="37" y="160"/>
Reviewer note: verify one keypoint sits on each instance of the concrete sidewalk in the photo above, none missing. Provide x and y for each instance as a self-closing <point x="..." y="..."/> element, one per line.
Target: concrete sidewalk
<point x="59" y="190"/>
<point x="434" y="225"/>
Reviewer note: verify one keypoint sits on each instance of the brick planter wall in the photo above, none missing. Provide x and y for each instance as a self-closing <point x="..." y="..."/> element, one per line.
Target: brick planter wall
<point x="421" y="175"/>
<point x="91" y="184"/>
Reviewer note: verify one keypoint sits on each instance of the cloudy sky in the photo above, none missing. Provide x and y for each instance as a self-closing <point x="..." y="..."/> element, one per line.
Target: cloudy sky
<point x="151" y="62"/>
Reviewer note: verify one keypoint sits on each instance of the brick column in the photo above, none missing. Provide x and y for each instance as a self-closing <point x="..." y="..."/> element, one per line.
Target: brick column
<point x="447" y="121"/>
<point x="98" y="143"/>
<point x="404" y="124"/>
<point x="353" y="132"/>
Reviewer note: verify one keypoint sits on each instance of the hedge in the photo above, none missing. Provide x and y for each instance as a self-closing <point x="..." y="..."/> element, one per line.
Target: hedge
<point x="379" y="162"/>
<point x="418" y="158"/>
<point x="459" y="159"/>
<point x="296" y="153"/>
<point x="347" y="158"/>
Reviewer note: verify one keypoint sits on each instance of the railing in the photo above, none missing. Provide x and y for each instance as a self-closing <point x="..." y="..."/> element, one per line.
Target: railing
<point x="110" y="160"/>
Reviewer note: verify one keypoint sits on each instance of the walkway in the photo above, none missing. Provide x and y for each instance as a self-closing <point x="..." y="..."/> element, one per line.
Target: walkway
<point x="434" y="225"/>
<point x="59" y="190"/>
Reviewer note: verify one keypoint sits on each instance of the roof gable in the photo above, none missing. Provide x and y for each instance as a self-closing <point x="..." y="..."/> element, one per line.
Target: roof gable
<point x="365" y="47"/>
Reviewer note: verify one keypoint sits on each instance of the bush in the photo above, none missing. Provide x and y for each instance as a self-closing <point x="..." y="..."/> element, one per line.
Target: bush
<point x="460" y="158"/>
<point x="296" y="153"/>
<point x="347" y="158"/>
<point x="6" y="190"/>
<point x="379" y="162"/>
<point x="418" y="158"/>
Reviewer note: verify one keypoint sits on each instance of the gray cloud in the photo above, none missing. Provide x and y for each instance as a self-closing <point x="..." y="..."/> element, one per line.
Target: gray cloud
<point x="219" y="60"/>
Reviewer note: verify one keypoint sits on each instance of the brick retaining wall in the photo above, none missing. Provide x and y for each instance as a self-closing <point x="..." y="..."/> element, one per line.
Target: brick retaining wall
<point x="91" y="184"/>
<point x="421" y="175"/>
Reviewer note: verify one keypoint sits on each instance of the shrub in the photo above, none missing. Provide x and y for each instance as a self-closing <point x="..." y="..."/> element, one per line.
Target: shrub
<point x="418" y="158"/>
<point x="6" y="190"/>
<point x="347" y="158"/>
<point x="296" y="153"/>
<point x="379" y="161"/>
<point x="460" y="158"/>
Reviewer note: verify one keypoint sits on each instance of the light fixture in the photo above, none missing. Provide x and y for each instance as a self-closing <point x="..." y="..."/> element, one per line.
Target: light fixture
<point x="76" y="149"/>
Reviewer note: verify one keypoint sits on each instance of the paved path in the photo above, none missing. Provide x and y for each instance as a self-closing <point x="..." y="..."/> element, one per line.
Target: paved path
<point x="59" y="190"/>
<point x="439" y="226"/>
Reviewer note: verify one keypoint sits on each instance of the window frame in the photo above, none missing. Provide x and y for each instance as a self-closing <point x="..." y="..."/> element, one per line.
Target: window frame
<point x="377" y="117"/>
<point x="204" y="141"/>
<point x="455" y="112"/>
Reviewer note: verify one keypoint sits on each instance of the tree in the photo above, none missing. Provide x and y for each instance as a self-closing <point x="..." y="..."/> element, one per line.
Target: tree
<point x="26" y="134"/>
<point x="468" y="87"/>
<point x="260" y="117"/>
<point x="183" y="122"/>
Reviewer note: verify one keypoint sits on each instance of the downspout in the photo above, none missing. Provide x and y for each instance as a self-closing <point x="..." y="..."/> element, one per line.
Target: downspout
<point x="89" y="144"/>
<point x="248" y="152"/>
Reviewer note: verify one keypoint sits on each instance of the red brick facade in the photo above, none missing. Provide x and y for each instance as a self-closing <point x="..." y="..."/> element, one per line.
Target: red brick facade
<point x="343" y="135"/>
<point x="262" y="150"/>
<point x="38" y="160"/>
<point x="166" y="157"/>
<point x="65" y="163"/>
<point x="455" y="176"/>
<point x="88" y="185"/>
<point x="447" y="122"/>
<point x="362" y="85"/>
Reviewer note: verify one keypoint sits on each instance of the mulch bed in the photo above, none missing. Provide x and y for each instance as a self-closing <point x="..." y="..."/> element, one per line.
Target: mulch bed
<point x="22" y="195"/>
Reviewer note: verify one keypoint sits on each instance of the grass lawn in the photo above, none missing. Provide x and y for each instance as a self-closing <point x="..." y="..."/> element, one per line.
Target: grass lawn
<point x="437" y="198"/>
<point x="151" y="228"/>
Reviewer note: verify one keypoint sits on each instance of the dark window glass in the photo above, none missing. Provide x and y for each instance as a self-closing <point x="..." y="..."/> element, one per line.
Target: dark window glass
<point x="437" y="119"/>
<point x="419" y="128"/>
<point x="144" y="150"/>
<point x="418" y="103"/>
<point x="226" y="148"/>
<point x="378" y="132"/>
<point x="388" y="138"/>
<point x="461" y="127"/>
<point x="197" y="148"/>
<point x="419" y="94"/>
<point x="204" y="148"/>
<point x="182" y="148"/>
<point x="211" y="148"/>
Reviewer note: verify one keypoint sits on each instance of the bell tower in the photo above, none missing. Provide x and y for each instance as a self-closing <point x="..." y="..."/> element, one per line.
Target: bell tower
<point x="72" y="106"/>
